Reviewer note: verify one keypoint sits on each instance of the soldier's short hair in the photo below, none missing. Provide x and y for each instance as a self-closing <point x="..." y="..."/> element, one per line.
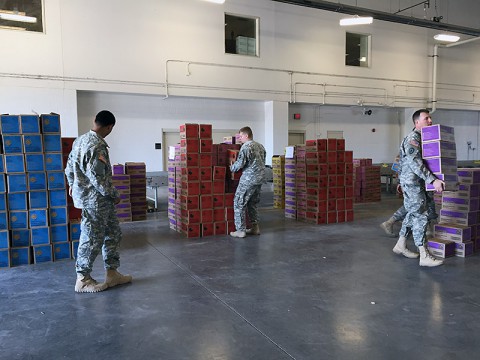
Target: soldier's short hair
<point x="417" y="113"/>
<point x="248" y="131"/>
<point x="105" y="118"/>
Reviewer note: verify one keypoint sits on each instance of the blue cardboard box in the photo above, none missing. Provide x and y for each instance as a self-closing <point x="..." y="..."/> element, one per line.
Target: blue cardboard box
<point x="20" y="237"/>
<point x="3" y="201"/>
<point x="50" y="123"/>
<point x="30" y="124"/>
<point x="4" y="239"/>
<point x="3" y="188"/>
<point x="17" y="183"/>
<point x="52" y="143"/>
<point x="57" y="198"/>
<point x="18" y="219"/>
<point x="14" y="163"/>
<point x="10" y="124"/>
<point x="54" y="161"/>
<point x="75" y="248"/>
<point x="17" y="201"/>
<point x="58" y="216"/>
<point x="40" y="236"/>
<point x="4" y="258"/>
<point x="3" y="220"/>
<point x="42" y="253"/>
<point x="12" y="144"/>
<point x="56" y="180"/>
<point x="59" y="233"/>
<point x="20" y="256"/>
<point x="33" y="143"/>
<point x="62" y="251"/>
<point x="38" y="218"/>
<point x="38" y="199"/>
<point x="34" y="162"/>
<point x="75" y="230"/>
<point x="37" y="181"/>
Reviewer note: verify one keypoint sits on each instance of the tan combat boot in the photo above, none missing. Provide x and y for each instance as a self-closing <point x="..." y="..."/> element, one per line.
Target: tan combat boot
<point x="114" y="278"/>
<point x="86" y="284"/>
<point x="401" y="248"/>
<point x="387" y="226"/>
<point x="427" y="259"/>
<point x="255" y="230"/>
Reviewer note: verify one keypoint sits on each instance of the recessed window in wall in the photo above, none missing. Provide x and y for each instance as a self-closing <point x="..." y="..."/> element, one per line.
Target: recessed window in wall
<point x="241" y="35"/>
<point x="357" y="50"/>
<point x="21" y="15"/>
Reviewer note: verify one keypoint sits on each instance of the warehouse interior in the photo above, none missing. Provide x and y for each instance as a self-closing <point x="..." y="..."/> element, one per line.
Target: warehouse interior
<point x="298" y="290"/>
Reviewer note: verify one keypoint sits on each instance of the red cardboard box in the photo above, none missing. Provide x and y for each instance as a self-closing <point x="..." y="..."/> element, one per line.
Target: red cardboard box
<point x="332" y="144"/>
<point x="191" y="230"/>
<point x="348" y="168"/>
<point x="207" y="229"/>
<point x="232" y="155"/>
<point x="205" y="187"/>
<point x="340" y="144"/>
<point x="331" y="205"/>
<point x="205" y="131"/>
<point x="219" y="214"/>
<point x="207" y="215"/>
<point x="206" y="145"/>
<point x="206" y="202"/>
<point x="340" y="156"/>
<point x="189" y="146"/>
<point x="205" y="160"/>
<point x="205" y="174"/>
<point x="341" y="216"/>
<point x="219" y="173"/>
<point x="349" y="204"/>
<point x="332" y="168"/>
<point x="190" y="188"/>
<point x="322" y="157"/>
<point x="348" y="156"/>
<point x="332" y="181"/>
<point x="218" y="201"/>
<point x="341" y="192"/>
<point x="220" y="228"/>
<point x="219" y="187"/>
<point x="331" y="156"/>
<point x="340" y="180"/>
<point x="322" y="181"/>
<point x="190" y="174"/>
<point x="331" y="217"/>
<point x="188" y="131"/>
<point x="341" y="205"/>
<point x="349" y="215"/>
<point x="189" y="202"/>
<point x="190" y="159"/>
<point x="191" y="216"/>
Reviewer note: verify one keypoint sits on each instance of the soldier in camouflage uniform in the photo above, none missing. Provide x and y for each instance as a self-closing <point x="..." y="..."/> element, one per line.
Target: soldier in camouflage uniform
<point x="251" y="160"/>
<point x="413" y="177"/>
<point x="89" y="176"/>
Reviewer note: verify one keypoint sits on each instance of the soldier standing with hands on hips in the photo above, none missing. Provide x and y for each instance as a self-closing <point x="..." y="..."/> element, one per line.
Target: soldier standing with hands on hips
<point x="89" y="176"/>
<point x="413" y="176"/>
<point x="251" y="160"/>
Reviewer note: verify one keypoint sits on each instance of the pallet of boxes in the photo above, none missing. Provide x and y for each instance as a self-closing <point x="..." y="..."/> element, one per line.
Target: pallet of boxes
<point x="367" y="180"/>
<point x="33" y="198"/>
<point x="319" y="182"/>
<point x="456" y="231"/>
<point x="200" y="186"/>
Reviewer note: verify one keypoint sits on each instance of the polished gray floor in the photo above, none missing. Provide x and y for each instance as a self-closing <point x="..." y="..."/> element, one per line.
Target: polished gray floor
<point x="297" y="291"/>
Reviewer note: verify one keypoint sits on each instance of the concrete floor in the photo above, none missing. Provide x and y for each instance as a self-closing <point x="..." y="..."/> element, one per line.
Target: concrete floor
<point x="297" y="291"/>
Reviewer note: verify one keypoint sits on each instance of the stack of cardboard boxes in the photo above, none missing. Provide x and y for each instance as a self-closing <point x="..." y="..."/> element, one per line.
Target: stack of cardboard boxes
<point x="33" y="198"/>
<point x="368" y="186"/>
<point x="278" y="170"/>
<point x="138" y="189"/>
<point x="319" y="182"/>
<point x="198" y="204"/>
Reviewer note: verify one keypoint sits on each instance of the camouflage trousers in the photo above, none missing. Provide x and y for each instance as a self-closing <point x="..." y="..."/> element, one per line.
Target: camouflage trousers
<point x="400" y="214"/>
<point x="100" y="230"/>
<point x="246" y="198"/>
<point x="416" y="204"/>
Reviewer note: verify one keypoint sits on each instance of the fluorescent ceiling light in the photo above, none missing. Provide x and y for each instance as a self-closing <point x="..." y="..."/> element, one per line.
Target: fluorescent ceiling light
<point x="17" y="17"/>
<point x="216" y="1"/>
<point x="356" y="20"/>
<point x="446" y="37"/>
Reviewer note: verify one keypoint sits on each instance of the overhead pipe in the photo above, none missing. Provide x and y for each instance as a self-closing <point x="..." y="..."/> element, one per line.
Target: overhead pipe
<point x="381" y="15"/>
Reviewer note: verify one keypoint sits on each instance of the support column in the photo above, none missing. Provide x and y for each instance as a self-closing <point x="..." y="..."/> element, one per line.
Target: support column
<point x="276" y="128"/>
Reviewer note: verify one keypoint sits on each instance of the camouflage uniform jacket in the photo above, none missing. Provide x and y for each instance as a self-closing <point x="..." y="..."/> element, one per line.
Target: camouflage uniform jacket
<point x="412" y="169"/>
<point x="251" y="160"/>
<point x="89" y="172"/>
